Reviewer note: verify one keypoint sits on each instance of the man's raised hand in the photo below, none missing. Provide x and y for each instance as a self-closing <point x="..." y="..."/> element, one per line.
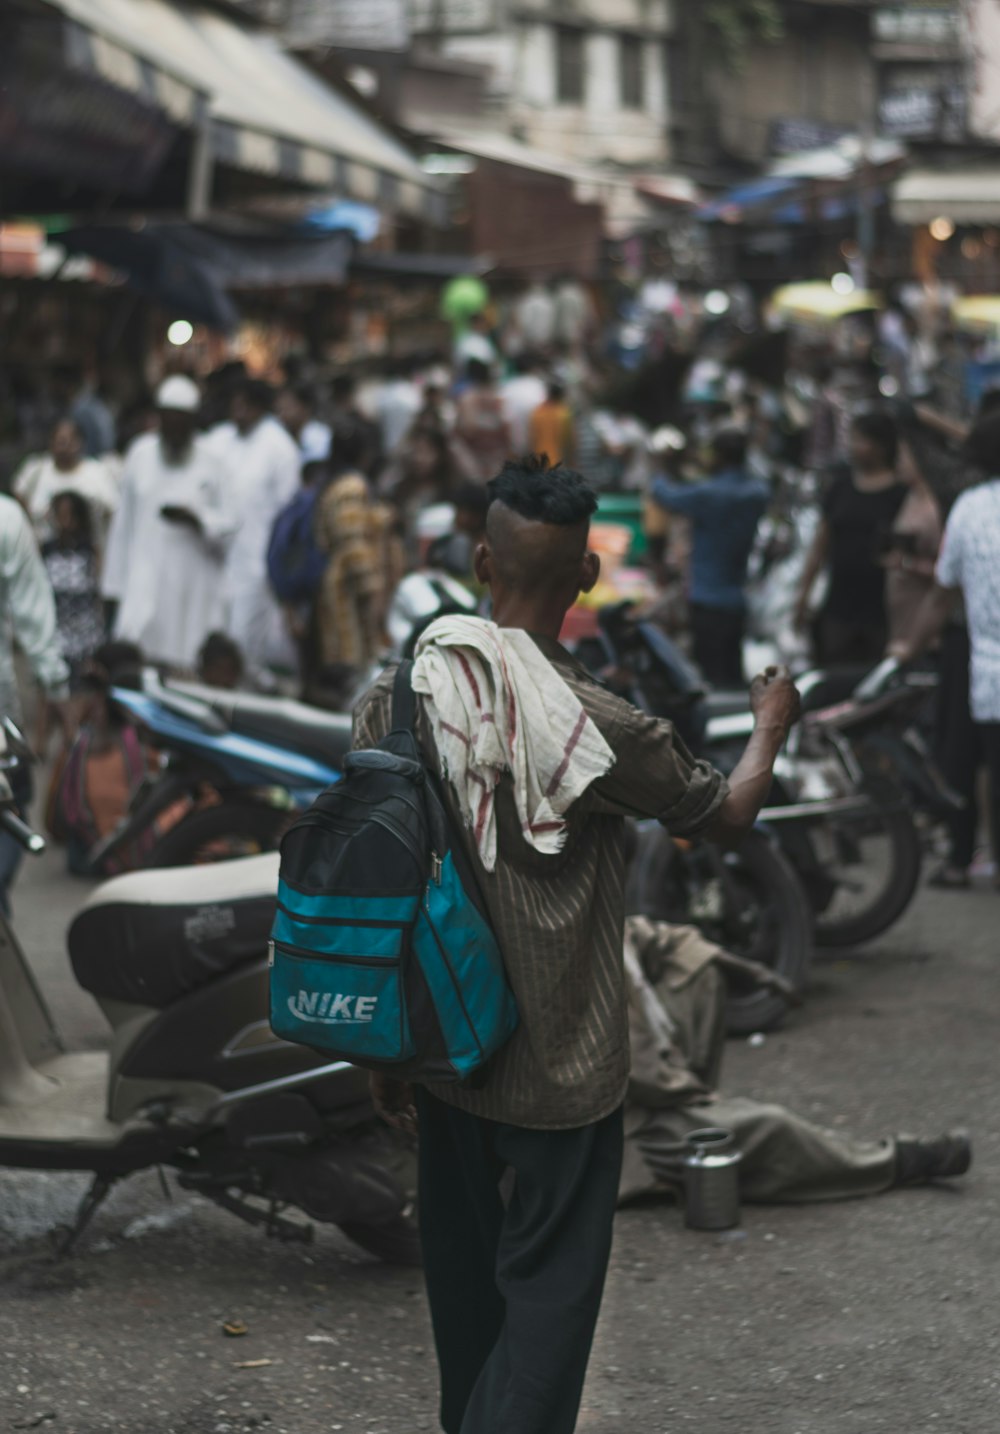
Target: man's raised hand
<point x="774" y="699"/>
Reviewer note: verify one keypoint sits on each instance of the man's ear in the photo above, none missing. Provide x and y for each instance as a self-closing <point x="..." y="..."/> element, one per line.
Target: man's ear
<point x="481" y="565"/>
<point x="590" y="571"/>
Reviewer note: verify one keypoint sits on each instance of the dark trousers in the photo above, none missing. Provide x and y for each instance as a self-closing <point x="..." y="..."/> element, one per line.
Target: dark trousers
<point x="514" y="1286"/>
<point x="989" y="739"/>
<point x="959" y="749"/>
<point x="717" y="643"/>
<point x="849" y="644"/>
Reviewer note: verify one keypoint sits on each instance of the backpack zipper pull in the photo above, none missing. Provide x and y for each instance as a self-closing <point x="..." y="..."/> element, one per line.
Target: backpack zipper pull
<point x="437" y="866"/>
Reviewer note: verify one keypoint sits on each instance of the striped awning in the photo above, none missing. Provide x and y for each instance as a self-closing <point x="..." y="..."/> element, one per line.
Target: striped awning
<point x="268" y="114"/>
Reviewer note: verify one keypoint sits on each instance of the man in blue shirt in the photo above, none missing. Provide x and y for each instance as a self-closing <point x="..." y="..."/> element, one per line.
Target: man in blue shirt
<point x="724" y="512"/>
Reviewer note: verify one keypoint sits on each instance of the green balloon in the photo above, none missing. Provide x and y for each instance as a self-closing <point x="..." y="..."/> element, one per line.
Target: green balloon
<point x="463" y="297"/>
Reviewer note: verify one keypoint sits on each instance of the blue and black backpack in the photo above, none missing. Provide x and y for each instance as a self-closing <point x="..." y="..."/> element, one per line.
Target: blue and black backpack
<point x="381" y="952"/>
<point x="295" y="561"/>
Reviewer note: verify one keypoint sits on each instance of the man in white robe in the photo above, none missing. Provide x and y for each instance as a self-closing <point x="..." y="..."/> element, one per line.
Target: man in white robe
<point x="165" y="560"/>
<point x="265" y="465"/>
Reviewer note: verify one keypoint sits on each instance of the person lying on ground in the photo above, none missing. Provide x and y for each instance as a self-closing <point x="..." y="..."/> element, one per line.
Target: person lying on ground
<point x="677" y="1032"/>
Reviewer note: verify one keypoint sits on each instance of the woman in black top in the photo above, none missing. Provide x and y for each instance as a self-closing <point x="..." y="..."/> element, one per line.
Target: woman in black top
<point x="859" y="510"/>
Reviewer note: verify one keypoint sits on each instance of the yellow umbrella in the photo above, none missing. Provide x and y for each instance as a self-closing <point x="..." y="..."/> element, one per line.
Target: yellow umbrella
<point x="976" y="312"/>
<point x="820" y="301"/>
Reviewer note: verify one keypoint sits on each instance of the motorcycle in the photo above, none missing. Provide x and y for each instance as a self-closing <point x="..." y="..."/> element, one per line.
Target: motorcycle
<point x="195" y="1081"/>
<point x="845" y="787"/>
<point x="236" y="764"/>
<point x="750" y="901"/>
<point x="857" y="795"/>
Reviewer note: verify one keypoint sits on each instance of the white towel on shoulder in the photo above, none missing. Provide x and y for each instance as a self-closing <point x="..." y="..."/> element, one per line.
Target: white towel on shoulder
<point x="496" y="704"/>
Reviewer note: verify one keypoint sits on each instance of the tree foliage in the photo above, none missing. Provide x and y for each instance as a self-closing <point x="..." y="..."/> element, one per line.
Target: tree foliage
<point x="738" y="23"/>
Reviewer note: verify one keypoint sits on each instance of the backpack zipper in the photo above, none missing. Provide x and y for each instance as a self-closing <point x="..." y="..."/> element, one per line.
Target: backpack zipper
<point x="437" y="867"/>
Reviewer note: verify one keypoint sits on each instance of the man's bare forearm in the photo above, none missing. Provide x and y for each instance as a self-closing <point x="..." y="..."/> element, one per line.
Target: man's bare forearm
<point x="749" y="785"/>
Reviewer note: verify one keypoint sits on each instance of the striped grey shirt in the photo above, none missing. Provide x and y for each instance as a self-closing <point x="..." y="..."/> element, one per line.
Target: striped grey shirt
<point x="559" y="920"/>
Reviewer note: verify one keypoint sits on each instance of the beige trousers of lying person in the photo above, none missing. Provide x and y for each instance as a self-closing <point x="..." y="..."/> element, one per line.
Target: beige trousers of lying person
<point x="785" y="1159"/>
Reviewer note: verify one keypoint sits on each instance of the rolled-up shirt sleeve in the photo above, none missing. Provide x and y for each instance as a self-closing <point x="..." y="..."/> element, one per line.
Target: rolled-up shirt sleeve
<point x="655" y="775"/>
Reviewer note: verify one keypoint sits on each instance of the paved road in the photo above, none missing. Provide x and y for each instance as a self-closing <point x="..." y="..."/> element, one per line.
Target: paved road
<point x="870" y="1316"/>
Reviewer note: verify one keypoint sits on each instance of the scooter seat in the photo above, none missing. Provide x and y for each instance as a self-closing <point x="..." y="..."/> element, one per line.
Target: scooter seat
<point x="295" y="726"/>
<point x="152" y="936"/>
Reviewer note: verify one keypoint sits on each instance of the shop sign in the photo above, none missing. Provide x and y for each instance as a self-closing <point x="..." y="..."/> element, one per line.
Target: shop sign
<point x="912" y="113"/>
<point x="924" y="111"/>
<point x="796" y="136"/>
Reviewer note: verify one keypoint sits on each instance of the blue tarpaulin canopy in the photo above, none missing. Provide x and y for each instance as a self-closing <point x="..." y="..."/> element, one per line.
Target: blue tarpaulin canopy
<point x="190" y="270"/>
<point x="732" y="206"/>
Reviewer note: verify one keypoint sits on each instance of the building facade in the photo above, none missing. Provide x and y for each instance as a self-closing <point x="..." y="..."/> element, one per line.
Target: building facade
<point x="807" y="83"/>
<point x="587" y="79"/>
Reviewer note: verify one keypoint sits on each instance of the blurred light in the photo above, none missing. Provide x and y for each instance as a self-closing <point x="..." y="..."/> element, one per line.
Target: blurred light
<point x="447" y="164"/>
<point x="842" y="284"/>
<point x="717" y="302"/>
<point x="991" y="238"/>
<point x="364" y="80"/>
<point x="180" y="332"/>
<point x="971" y="247"/>
<point x="941" y="229"/>
<point x="887" y="386"/>
<point x="850" y="248"/>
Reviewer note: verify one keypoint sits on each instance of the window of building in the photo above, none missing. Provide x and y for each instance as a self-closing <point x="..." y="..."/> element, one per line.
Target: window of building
<point x="631" y="89"/>
<point x="570" y="79"/>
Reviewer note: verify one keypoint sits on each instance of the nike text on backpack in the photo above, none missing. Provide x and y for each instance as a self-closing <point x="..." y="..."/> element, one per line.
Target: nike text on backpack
<point x="380" y="952"/>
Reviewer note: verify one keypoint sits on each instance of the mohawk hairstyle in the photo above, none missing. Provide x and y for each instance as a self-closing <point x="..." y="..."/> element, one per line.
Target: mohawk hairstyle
<point x="543" y="493"/>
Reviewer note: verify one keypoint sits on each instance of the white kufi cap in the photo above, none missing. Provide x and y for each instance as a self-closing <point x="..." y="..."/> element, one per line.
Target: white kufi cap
<point x="178" y="393"/>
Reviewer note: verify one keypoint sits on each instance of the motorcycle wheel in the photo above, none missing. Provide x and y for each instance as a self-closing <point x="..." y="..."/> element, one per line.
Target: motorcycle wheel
<point x="220" y="833"/>
<point x="763" y="916"/>
<point x="876" y="870"/>
<point x="396" y="1242"/>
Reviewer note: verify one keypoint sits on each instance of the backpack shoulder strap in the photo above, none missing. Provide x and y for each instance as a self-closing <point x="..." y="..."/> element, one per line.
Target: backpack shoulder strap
<point x="404" y="701"/>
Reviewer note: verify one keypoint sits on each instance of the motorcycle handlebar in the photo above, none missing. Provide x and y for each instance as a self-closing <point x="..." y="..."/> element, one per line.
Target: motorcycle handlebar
<point x="877" y="680"/>
<point x="12" y="824"/>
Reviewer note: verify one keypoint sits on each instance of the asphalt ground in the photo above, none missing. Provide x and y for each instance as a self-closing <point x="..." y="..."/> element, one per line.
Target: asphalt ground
<point x="876" y="1315"/>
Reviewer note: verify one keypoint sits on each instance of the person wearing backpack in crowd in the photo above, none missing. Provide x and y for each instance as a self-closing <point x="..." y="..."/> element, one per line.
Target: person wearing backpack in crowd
<point x="296" y="559"/>
<point x="543" y="765"/>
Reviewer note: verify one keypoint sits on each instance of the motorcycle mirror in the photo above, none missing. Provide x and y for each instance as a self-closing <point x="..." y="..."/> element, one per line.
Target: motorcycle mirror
<point x="12" y="742"/>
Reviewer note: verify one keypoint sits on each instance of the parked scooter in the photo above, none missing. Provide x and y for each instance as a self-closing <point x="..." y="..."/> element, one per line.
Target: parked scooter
<point x="239" y="764"/>
<point x="195" y="1081"/>
<point x="242" y="764"/>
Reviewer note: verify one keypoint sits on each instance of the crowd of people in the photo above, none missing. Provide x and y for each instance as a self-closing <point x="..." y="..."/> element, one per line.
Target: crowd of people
<point x="280" y="518"/>
<point x="256" y="534"/>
